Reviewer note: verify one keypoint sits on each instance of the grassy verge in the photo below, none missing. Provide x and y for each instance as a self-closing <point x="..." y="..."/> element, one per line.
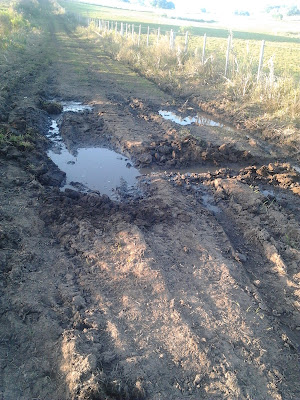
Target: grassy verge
<point x="271" y="106"/>
<point x="25" y="54"/>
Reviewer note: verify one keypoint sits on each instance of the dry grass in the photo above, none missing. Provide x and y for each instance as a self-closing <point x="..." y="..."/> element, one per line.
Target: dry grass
<point x="273" y="100"/>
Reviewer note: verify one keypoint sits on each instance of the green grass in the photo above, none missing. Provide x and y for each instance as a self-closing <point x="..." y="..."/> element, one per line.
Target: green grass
<point x="154" y="21"/>
<point x="284" y="50"/>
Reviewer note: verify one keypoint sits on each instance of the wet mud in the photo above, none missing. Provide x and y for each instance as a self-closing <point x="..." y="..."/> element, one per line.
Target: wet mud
<point x="189" y="287"/>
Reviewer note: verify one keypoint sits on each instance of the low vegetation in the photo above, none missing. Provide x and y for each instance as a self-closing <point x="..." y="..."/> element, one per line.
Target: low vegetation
<point x="274" y="99"/>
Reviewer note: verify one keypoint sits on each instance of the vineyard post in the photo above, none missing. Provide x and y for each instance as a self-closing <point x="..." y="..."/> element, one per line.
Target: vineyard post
<point x="116" y="27"/>
<point x="171" y="39"/>
<point x="158" y="34"/>
<point x="261" y="59"/>
<point x="132" y="32"/>
<point x="122" y="29"/>
<point x="227" y="54"/>
<point x="139" y="38"/>
<point x="186" y="41"/>
<point x="126" y="30"/>
<point x="148" y="31"/>
<point x="203" y="50"/>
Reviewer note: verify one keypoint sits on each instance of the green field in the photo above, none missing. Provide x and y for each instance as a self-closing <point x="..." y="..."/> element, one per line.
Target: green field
<point x="284" y="50"/>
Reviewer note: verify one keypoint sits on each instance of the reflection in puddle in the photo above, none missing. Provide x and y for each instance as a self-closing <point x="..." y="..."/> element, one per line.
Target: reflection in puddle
<point x="75" y="106"/>
<point x="208" y="202"/>
<point x="96" y="168"/>
<point x="268" y="193"/>
<point x="198" y="120"/>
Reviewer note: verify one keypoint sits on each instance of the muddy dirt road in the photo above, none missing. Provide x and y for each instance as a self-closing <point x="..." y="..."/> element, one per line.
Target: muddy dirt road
<point x="187" y="287"/>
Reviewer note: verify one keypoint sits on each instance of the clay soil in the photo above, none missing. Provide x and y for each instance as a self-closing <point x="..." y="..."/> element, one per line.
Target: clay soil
<point x="190" y="290"/>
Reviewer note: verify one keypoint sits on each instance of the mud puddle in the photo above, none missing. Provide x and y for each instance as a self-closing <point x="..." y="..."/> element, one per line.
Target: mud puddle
<point x="94" y="168"/>
<point x="201" y="191"/>
<point x="199" y="119"/>
<point x="296" y="168"/>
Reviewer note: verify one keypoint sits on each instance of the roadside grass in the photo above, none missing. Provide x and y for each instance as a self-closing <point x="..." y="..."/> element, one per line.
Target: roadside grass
<point x="273" y="103"/>
<point x="283" y="49"/>
<point x="21" y="141"/>
<point x="25" y="54"/>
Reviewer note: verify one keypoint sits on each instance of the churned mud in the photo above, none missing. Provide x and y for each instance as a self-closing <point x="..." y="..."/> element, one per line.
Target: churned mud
<point x="183" y="283"/>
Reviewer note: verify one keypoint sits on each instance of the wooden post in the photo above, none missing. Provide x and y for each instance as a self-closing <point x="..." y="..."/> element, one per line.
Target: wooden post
<point x="158" y="34"/>
<point x="261" y="59"/>
<point x="122" y="29"/>
<point x="126" y="30"/>
<point x="116" y="27"/>
<point x="227" y="54"/>
<point x="132" y="32"/>
<point x="139" y="38"/>
<point x="186" y="42"/>
<point x="171" y="39"/>
<point x="203" y="50"/>
<point x="148" y="32"/>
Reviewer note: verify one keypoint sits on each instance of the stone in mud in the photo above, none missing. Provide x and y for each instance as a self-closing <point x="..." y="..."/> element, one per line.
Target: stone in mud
<point x="51" y="107"/>
<point x="224" y="149"/>
<point x="170" y="163"/>
<point x="263" y="171"/>
<point x="232" y="158"/>
<point x="72" y="194"/>
<point x="52" y="178"/>
<point x="94" y="200"/>
<point x="145" y="158"/>
<point x="184" y="217"/>
<point x="164" y="149"/>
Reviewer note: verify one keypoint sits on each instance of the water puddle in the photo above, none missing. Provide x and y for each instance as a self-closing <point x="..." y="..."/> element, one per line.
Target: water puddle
<point x="296" y="168"/>
<point x="197" y="120"/>
<point x="75" y="106"/>
<point x="201" y="191"/>
<point x="91" y="169"/>
<point x="208" y="202"/>
<point x="268" y="193"/>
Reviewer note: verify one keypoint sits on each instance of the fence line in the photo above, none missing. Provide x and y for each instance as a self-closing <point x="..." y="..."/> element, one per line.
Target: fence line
<point x="108" y="26"/>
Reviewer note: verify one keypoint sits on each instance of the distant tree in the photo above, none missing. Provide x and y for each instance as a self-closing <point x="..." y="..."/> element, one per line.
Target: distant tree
<point x="242" y="13"/>
<point x="271" y="8"/>
<point x="293" y="11"/>
<point x="163" y="4"/>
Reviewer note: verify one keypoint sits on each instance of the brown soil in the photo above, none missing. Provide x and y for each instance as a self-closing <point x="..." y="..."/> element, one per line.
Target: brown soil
<point x="191" y="290"/>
